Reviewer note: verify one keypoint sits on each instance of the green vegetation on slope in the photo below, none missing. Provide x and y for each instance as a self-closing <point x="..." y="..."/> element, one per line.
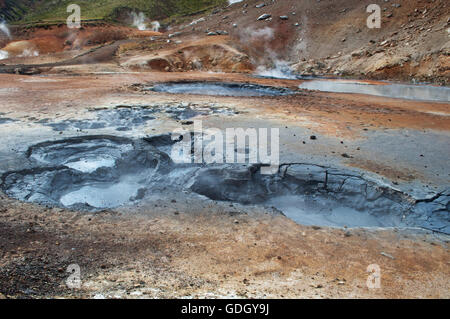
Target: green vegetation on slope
<point x="25" y="11"/>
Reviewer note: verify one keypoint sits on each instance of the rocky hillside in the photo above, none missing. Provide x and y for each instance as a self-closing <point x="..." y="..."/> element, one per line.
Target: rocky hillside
<point x="328" y="37"/>
<point x="55" y="10"/>
<point x="320" y="37"/>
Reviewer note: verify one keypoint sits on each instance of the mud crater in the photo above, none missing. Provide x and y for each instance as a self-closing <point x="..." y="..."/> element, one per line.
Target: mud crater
<point x="86" y="173"/>
<point x="98" y="172"/>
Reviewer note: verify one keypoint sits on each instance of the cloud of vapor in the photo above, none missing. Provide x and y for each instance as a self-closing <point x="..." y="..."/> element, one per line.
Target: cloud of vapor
<point x="268" y="62"/>
<point x="279" y="69"/>
<point x="29" y="53"/>
<point x="252" y="34"/>
<point x="4" y="28"/>
<point x="3" y="55"/>
<point x="155" y="26"/>
<point x="139" y="20"/>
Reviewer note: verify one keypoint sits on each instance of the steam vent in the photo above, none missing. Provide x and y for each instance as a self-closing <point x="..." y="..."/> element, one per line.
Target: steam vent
<point x="224" y="150"/>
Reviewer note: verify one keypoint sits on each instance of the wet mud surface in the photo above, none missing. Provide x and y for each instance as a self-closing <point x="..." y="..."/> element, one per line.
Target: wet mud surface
<point x="128" y="117"/>
<point x="219" y="89"/>
<point x="94" y="173"/>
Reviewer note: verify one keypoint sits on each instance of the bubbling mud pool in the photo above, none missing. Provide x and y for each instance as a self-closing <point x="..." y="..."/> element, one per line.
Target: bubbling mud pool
<point x="392" y="90"/>
<point x="94" y="173"/>
<point x="219" y="89"/>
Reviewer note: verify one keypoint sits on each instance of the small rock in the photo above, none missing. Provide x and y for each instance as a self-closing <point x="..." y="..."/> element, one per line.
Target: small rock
<point x="387" y="255"/>
<point x="264" y="17"/>
<point x="284" y="17"/>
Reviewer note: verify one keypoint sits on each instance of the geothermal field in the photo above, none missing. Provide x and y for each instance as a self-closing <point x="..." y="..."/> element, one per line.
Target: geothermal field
<point x="224" y="149"/>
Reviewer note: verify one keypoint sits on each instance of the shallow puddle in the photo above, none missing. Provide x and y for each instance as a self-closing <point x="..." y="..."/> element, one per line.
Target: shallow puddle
<point x="220" y="89"/>
<point x="392" y="90"/>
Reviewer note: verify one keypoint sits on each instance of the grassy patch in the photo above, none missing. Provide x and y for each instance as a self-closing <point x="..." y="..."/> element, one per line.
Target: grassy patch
<point x="56" y="10"/>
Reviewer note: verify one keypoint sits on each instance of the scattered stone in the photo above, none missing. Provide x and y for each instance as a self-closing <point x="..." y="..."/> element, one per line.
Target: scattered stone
<point x="264" y="17"/>
<point x="387" y="255"/>
<point x="313" y="137"/>
<point x="284" y="17"/>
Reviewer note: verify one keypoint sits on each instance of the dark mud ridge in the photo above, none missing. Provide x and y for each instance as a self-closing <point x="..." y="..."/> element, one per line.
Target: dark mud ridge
<point x="218" y="89"/>
<point x="97" y="172"/>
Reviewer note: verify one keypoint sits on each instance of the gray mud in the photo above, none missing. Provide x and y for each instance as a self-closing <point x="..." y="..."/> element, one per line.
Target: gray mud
<point x="6" y="120"/>
<point x="97" y="172"/>
<point x="219" y="89"/>
<point x="128" y="118"/>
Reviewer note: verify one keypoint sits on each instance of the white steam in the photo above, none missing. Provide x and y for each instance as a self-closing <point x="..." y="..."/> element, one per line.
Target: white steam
<point x="29" y="53"/>
<point x="3" y="55"/>
<point x="264" y="34"/>
<point x="156" y="26"/>
<point x="4" y="28"/>
<point x="139" y="22"/>
<point x="280" y="70"/>
<point x="271" y="65"/>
